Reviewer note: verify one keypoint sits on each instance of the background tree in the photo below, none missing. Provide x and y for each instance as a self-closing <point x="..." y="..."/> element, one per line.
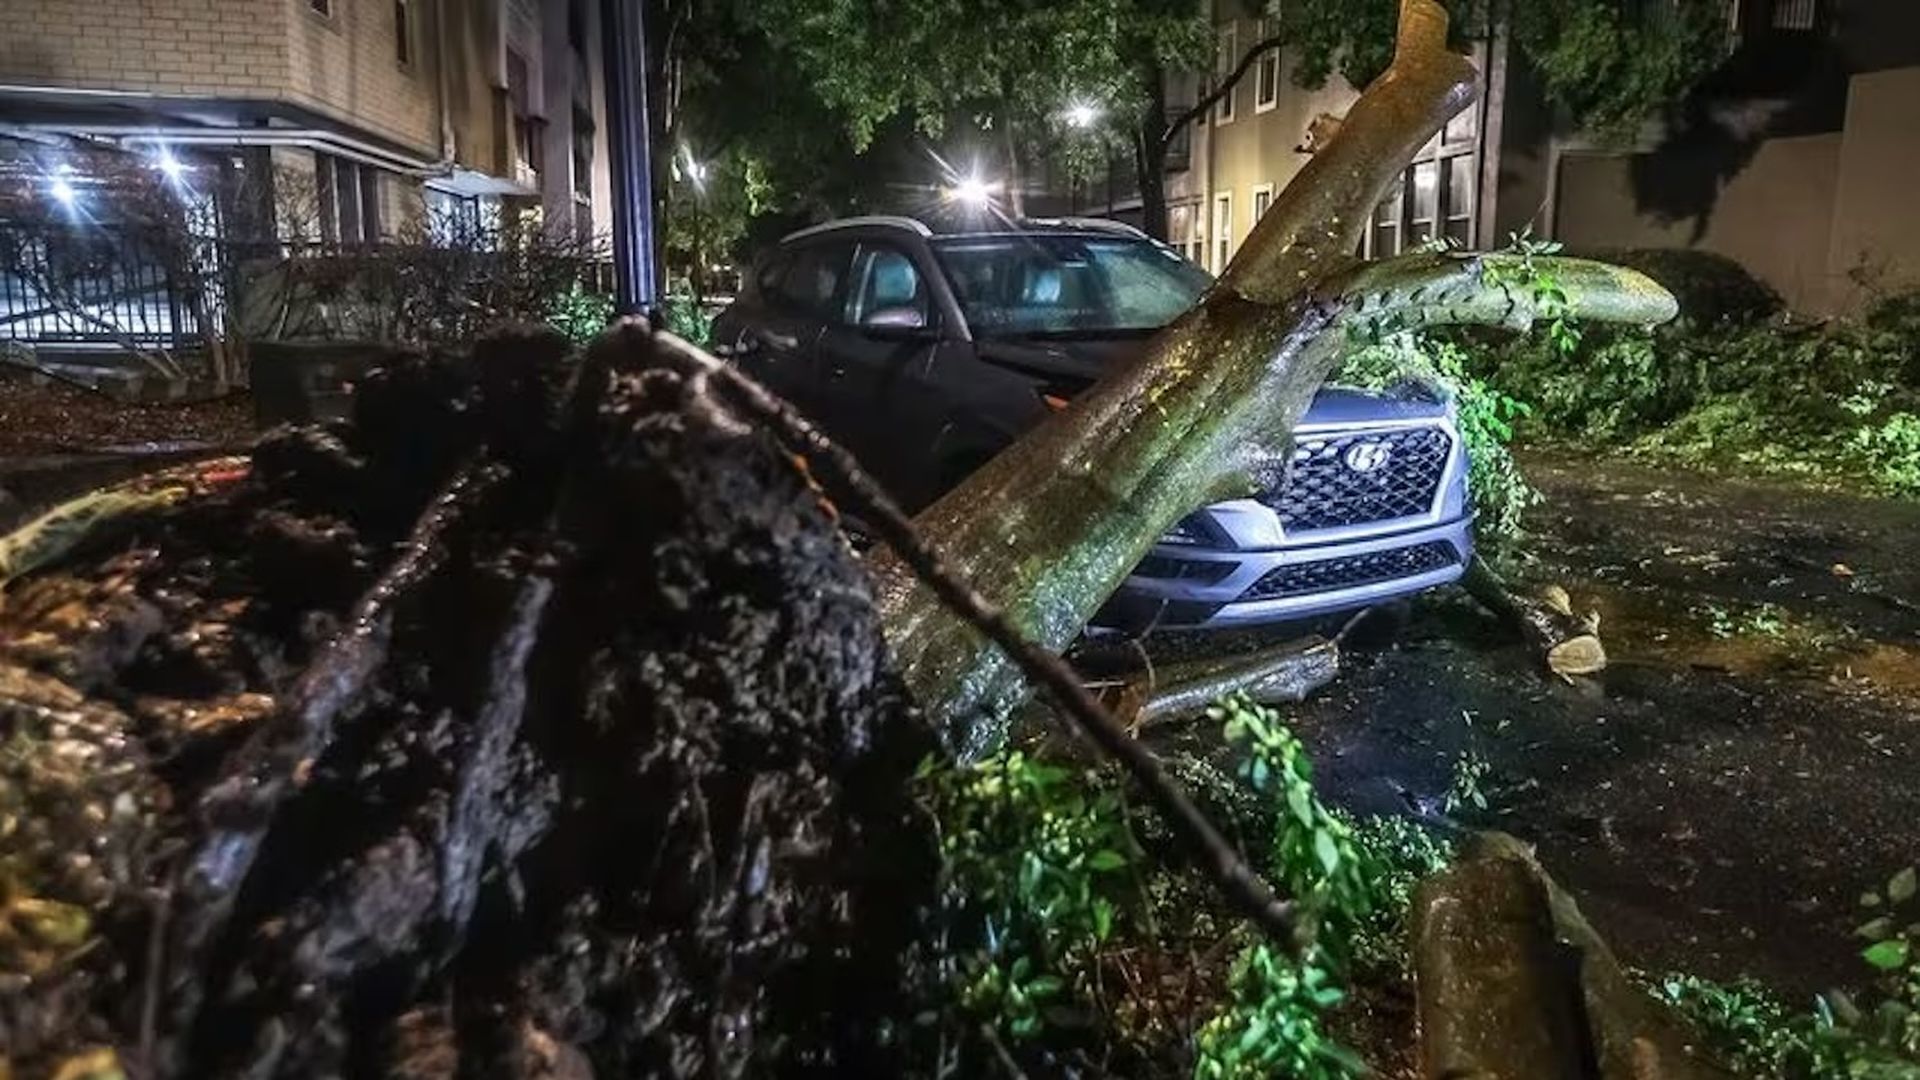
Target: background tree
<point x="1010" y="69"/>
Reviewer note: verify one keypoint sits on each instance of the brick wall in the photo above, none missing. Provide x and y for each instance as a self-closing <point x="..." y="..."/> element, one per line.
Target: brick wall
<point x="343" y="64"/>
<point x="346" y="64"/>
<point x="226" y="48"/>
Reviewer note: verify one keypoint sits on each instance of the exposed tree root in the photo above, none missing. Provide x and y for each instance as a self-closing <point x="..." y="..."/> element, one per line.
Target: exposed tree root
<point x="534" y="724"/>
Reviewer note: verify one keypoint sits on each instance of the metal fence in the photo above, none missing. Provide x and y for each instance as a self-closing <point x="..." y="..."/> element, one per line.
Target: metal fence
<point x="105" y="284"/>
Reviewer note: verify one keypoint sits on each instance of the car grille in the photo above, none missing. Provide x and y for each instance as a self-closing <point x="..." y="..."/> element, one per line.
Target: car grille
<point x="1329" y="486"/>
<point x="1350" y="571"/>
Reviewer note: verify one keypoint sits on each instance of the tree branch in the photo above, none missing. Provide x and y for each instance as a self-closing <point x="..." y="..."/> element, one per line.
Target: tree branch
<point x="1316" y="222"/>
<point x="1493" y="289"/>
<point x="1213" y="97"/>
<point x="1212" y="851"/>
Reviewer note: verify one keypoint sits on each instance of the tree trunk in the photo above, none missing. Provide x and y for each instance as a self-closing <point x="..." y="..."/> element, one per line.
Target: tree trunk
<point x="1016" y="180"/>
<point x="1050" y="527"/>
<point x="1150" y="138"/>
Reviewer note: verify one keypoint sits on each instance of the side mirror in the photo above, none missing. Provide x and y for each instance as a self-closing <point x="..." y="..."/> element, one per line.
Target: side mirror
<point x="896" y="324"/>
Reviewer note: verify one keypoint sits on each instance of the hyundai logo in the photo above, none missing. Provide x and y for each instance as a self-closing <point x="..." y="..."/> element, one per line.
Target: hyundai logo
<point x="1366" y="457"/>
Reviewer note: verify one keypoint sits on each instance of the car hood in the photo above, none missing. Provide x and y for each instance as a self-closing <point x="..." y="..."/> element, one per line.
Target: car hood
<point x="1078" y="362"/>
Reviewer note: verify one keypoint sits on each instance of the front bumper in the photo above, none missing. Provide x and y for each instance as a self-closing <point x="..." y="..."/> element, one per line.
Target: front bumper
<point x="1188" y="587"/>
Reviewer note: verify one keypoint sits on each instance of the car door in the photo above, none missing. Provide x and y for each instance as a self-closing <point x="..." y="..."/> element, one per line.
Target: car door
<point x="876" y="361"/>
<point x="801" y="291"/>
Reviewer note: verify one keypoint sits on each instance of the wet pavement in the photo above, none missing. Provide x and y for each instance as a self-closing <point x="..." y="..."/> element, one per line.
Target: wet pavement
<point x="1749" y="764"/>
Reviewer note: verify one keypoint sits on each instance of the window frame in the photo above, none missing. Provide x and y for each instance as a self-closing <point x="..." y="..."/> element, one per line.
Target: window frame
<point x="1226" y="55"/>
<point x="1221" y="248"/>
<point x="832" y="309"/>
<point x="1269" y="61"/>
<point x="859" y="276"/>
<point x="404" y="38"/>
<point x="1259" y="191"/>
<point x="320" y="9"/>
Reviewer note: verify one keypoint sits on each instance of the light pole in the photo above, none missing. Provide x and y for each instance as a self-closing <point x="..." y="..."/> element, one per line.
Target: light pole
<point x="623" y="39"/>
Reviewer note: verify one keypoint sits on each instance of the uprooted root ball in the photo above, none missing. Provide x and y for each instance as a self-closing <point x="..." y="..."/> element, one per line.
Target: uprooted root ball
<point x="534" y="723"/>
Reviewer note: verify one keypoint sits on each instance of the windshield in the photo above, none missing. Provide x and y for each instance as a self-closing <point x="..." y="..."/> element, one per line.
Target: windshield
<point x="1067" y="285"/>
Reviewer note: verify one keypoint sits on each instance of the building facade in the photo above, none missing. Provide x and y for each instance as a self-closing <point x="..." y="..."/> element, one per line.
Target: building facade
<point x="393" y="113"/>
<point x="1794" y="159"/>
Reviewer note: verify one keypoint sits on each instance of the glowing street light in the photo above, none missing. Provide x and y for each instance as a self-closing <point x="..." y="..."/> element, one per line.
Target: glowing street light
<point x="1082" y="115"/>
<point x="973" y="191"/>
<point x="169" y="165"/>
<point x="62" y="192"/>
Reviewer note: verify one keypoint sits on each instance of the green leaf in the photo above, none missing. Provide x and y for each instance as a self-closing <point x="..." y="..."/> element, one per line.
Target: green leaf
<point x="1901" y="888"/>
<point x="1869" y="899"/>
<point x="1300" y="801"/>
<point x="1107" y="860"/>
<point x="1875" y="929"/>
<point x="1327" y="851"/>
<point x="1887" y="955"/>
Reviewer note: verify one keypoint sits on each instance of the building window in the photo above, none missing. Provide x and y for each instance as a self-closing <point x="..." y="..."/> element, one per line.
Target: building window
<point x="1262" y="198"/>
<point x="403" y="32"/>
<point x="347" y="200"/>
<point x="322" y="8"/>
<point x="1794" y="14"/>
<point x="1186" y="231"/>
<point x="1225" y="56"/>
<point x="1432" y="201"/>
<point x="1266" y="77"/>
<point x="1222" y="230"/>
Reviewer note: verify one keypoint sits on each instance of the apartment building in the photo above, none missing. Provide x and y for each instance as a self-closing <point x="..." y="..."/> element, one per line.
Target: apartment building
<point x="1794" y="159"/>
<point x="1229" y="164"/>
<point x="395" y="114"/>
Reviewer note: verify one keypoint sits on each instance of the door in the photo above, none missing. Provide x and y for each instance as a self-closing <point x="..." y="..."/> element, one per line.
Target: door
<point x="801" y="291"/>
<point x="878" y="367"/>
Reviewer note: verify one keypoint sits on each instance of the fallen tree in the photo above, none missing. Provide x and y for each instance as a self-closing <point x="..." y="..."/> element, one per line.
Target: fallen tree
<point x="1050" y="527"/>
<point x="539" y="722"/>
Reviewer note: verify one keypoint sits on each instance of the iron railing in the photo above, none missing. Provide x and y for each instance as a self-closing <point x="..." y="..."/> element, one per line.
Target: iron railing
<point x="107" y="284"/>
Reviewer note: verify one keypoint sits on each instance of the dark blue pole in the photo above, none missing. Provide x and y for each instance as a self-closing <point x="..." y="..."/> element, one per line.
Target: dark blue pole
<point x="624" y="51"/>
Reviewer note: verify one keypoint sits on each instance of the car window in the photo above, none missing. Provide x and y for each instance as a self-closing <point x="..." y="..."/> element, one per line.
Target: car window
<point x="1066" y="284"/>
<point x="811" y="282"/>
<point x="885" y="280"/>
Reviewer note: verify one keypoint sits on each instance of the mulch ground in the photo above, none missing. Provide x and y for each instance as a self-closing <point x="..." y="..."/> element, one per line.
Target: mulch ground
<point x="39" y="417"/>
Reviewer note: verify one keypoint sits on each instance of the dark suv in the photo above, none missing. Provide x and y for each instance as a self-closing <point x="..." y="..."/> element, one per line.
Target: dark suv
<point x="926" y="354"/>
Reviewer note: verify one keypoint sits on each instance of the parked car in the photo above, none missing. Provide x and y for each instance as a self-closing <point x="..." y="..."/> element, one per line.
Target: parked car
<point x="927" y="353"/>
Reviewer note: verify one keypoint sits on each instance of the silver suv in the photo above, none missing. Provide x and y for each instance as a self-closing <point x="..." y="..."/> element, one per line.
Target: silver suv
<point x="926" y="353"/>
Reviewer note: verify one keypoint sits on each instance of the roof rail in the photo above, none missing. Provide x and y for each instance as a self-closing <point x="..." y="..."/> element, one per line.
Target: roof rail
<point x="1098" y="224"/>
<point x="890" y="221"/>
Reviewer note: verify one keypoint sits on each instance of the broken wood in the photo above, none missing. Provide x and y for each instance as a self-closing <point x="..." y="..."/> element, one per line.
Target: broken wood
<point x="1568" y="644"/>
<point x="1276" y="675"/>
<point x="1514" y="984"/>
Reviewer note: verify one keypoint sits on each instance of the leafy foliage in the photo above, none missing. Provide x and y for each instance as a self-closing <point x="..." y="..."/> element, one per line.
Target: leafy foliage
<point x="1271" y="1026"/>
<point x="1611" y="64"/>
<point x="1036" y="856"/>
<point x="1841" y="1039"/>
<point x="1825" y="400"/>
<point x="1050" y="886"/>
<point x="1003" y="62"/>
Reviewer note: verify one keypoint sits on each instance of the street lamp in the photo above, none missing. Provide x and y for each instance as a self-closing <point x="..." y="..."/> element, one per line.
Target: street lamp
<point x="62" y="192"/>
<point x="973" y="191"/>
<point x="1082" y="115"/>
<point x="169" y="165"/>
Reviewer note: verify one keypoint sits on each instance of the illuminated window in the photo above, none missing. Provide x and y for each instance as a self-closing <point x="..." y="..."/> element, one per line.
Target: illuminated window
<point x="1222" y="230"/>
<point x="1266" y="79"/>
<point x="1225" y="56"/>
